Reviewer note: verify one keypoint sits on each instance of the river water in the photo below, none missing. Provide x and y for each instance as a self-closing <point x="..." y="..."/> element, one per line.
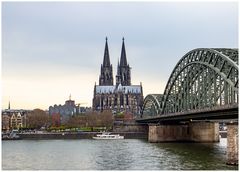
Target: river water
<point x="127" y="154"/>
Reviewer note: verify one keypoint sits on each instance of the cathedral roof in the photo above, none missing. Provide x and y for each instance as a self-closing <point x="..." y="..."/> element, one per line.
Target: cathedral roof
<point x="105" y="89"/>
<point x="113" y="89"/>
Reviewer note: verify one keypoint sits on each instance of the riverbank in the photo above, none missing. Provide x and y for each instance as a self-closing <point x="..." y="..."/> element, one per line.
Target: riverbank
<point x="84" y="135"/>
<point x="79" y="135"/>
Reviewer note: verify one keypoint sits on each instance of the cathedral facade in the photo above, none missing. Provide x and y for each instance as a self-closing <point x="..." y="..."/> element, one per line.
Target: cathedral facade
<point x="121" y="97"/>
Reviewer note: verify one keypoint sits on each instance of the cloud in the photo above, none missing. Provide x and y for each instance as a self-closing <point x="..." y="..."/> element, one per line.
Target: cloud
<point x="52" y="48"/>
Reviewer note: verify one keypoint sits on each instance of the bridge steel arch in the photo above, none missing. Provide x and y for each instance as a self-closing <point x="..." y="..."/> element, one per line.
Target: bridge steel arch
<point x="203" y="78"/>
<point x="151" y="104"/>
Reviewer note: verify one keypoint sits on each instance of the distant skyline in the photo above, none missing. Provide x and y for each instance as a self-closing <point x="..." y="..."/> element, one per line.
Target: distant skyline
<point x="53" y="49"/>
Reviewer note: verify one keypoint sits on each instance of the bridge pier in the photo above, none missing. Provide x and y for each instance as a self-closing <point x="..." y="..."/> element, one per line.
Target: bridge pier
<point x="232" y="143"/>
<point x="204" y="131"/>
<point x="167" y="133"/>
<point x="196" y="132"/>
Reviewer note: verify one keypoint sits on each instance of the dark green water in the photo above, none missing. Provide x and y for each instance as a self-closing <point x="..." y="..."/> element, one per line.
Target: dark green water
<point x="127" y="154"/>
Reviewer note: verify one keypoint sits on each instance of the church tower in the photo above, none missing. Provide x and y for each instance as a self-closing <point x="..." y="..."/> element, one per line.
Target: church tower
<point x="9" y="105"/>
<point x="123" y="71"/>
<point x="106" y="75"/>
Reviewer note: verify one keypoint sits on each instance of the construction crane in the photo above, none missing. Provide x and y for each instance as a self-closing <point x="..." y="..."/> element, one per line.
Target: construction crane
<point x="78" y="104"/>
<point x="78" y="107"/>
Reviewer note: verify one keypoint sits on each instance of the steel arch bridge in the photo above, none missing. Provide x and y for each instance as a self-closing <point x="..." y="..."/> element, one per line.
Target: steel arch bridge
<point x="203" y="78"/>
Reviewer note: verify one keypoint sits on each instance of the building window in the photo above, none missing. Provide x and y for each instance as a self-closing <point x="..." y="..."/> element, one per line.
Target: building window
<point x="121" y="100"/>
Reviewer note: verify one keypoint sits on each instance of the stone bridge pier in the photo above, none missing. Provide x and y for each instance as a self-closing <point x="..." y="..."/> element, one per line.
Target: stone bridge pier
<point x="193" y="131"/>
<point x="196" y="132"/>
<point x="232" y="143"/>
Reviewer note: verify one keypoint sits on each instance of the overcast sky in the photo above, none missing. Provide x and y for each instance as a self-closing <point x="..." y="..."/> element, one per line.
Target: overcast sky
<point x="53" y="49"/>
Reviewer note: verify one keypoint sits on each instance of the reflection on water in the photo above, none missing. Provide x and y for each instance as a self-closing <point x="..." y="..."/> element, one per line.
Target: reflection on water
<point x="128" y="154"/>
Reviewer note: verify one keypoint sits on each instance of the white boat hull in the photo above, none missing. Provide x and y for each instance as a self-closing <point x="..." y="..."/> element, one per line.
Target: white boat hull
<point x="108" y="136"/>
<point x="101" y="138"/>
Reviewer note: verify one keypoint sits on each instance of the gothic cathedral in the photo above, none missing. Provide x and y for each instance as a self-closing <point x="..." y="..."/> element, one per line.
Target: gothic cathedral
<point x="122" y="97"/>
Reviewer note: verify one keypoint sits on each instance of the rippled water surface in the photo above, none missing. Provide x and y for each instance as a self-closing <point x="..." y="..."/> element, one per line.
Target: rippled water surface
<point x="127" y="154"/>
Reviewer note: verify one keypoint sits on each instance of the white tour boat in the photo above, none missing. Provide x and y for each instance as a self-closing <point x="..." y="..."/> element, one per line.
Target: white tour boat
<point x="108" y="136"/>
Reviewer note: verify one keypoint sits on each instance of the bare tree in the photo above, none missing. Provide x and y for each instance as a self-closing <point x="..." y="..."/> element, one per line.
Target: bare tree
<point x="106" y="119"/>
<point x="92" y="119"/>
<point x="37" y="119"/>
<point x="77" y="121"/>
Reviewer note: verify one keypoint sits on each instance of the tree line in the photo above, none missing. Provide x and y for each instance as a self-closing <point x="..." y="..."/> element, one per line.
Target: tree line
<point x="39" y="118"/>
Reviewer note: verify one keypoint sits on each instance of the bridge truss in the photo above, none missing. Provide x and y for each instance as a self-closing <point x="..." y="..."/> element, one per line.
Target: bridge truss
<point x="203" y="78"/>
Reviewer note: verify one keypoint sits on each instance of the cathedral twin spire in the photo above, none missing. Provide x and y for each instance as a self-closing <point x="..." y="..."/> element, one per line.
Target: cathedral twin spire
<point x="106" y="58"/>
<point x="123" y="72"/>
<point x="123" y="59"/>
<point x="106" y="76"/>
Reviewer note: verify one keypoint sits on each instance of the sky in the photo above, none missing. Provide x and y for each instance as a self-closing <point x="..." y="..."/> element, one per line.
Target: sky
<point x="53" y="49"/>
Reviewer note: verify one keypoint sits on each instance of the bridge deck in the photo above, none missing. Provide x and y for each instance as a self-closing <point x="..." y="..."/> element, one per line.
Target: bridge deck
<point x="230" y="112"/>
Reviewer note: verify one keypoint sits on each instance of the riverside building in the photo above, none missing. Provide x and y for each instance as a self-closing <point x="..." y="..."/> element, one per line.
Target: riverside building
<point x="14" y="118"/>
<point x="62" y="113"/>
